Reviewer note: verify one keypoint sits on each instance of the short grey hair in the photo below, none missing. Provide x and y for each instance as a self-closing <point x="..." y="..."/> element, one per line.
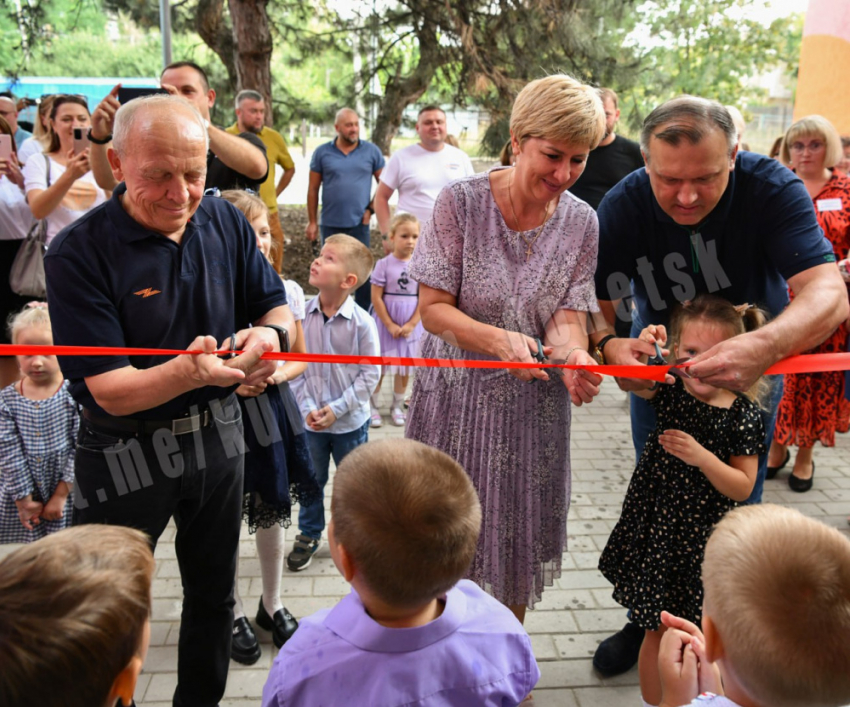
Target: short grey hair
<point x="248" y="95"/>
<point x="342" y="111"/>
<point x="689" y="118"/>
<point x="126" y="117"/>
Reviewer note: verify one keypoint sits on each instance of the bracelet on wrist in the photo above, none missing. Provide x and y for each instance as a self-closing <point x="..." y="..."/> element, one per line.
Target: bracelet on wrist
<point x="570" y="353"/>
<point x="98" y="141"/>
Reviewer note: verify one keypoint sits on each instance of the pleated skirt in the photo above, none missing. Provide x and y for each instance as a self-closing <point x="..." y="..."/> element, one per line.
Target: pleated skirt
<point x="512" y="438"/>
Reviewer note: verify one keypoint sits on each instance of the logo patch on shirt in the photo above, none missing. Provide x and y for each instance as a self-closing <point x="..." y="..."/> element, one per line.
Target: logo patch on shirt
<point x="147" y="292"/>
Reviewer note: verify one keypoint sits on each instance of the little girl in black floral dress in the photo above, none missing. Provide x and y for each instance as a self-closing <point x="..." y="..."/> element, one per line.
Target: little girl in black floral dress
<point x="700" y="462"/>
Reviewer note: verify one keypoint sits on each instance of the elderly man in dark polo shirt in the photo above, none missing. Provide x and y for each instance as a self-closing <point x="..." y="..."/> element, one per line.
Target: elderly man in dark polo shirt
<point x="157" y="267"/>
<point x="704" y="217"/>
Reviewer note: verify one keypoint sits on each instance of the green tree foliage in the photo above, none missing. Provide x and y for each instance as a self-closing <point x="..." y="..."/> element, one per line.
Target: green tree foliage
<point x="458" y="52"/>
<point x="705" y="48"/>
<point x="484" y="51"/>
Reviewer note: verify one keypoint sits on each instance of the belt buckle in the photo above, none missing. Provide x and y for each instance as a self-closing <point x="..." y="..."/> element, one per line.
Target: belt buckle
<point x="185" y="425"/>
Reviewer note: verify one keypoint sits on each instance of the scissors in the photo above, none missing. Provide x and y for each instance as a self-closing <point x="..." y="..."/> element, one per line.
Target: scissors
<point x="540" y="358"/>
<point x="658" y="360"/>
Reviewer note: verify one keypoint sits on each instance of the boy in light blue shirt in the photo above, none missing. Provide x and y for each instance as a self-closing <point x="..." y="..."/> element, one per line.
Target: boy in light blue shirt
<point x="334" y="398"/>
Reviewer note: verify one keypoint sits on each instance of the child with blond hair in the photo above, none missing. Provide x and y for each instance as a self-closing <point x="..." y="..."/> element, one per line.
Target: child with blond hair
<point x="776" y="617"/>
<point x="38" y="429"/>
<point x="334" y="398"/>
<point x="395" y="301"/>
<point x="405" y="520"/>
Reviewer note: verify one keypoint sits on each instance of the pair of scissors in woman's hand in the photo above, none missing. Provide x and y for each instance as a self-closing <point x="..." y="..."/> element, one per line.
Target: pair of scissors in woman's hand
<point x="540" y="358"/>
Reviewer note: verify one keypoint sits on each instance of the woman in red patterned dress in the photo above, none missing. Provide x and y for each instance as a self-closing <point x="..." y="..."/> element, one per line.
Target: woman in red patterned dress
<point x="813" y="406"/>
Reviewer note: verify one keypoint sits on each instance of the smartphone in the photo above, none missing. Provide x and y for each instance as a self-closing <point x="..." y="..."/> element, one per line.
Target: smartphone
<point x="81" y="140"/>
<point x="5" y="147"/>
<point x="128" y="94"/>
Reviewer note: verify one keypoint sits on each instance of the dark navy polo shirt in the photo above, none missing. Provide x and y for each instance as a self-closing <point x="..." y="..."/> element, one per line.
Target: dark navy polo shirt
<point x="346" y="181"/>
<point x="761" y="233"/>
<point x="111" y="282"/>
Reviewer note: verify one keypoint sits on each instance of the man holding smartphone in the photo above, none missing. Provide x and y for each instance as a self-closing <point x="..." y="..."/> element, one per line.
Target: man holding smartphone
<point x="233" y="161"/>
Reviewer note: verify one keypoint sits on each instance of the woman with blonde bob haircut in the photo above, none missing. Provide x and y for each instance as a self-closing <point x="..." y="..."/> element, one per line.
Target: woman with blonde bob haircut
<point x="813" y="406"/>
<point x="505" y="267"/>
<point x="813" y="126"/>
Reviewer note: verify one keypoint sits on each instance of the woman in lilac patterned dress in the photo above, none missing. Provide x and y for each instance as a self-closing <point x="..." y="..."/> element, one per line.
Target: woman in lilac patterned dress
<point x="506" y="258"/>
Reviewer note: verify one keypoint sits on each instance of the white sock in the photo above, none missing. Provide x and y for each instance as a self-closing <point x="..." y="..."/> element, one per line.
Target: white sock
<point x="398" y="400"/>
<point x="270" y="549"/>
<point x="646" y="704"/>
<point x="375" y="402"/>
<point x="238" y="611"/>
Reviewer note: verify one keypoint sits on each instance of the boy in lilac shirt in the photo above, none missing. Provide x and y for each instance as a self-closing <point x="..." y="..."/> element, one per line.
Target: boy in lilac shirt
<point x="776" y="617"/>
<point x="404" y="526"/>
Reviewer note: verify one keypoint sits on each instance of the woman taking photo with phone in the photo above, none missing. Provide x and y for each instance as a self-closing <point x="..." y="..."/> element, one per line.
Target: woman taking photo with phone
<point x="59" y="185"/>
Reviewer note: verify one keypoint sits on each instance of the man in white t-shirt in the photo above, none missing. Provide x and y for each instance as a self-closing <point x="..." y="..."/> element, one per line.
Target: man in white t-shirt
<point x="420" y="171"/>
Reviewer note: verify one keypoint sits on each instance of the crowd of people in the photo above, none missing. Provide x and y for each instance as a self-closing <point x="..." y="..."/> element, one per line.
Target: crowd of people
<point x="583" y="248"/>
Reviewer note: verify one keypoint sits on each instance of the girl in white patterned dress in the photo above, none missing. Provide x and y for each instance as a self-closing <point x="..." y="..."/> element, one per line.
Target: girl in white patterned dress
<point x="38" y="427"/>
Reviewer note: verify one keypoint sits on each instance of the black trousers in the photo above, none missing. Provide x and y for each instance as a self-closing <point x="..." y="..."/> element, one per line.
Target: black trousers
<point x="141" y="481"/>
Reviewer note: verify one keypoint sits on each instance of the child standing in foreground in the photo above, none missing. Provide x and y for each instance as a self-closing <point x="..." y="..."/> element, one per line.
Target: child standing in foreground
<point x="395" y="299"/>
<point x="701" y="461"/>
<point x="75" y="618"/>
<point x="334" y="398"/>
<point x="776" y="617"/>
<point x="278" y="469"/>
<point x="405" y="520"/>
<point x="38" y="429"/>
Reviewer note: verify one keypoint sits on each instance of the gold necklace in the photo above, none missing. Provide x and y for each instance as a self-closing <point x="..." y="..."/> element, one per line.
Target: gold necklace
<point x="529" y="242"/>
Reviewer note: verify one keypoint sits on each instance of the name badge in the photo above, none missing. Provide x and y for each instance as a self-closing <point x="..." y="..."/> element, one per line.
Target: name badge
<point x="829" y="204"/>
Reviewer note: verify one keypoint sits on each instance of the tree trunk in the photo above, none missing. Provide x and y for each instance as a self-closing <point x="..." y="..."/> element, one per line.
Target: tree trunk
<point x="212" y="27"/>
<point x="253" y="48"/>
<point x="401" y="92"/>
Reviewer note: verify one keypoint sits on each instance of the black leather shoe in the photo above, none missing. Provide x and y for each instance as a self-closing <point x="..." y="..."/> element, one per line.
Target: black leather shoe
<point x="244" y="648"/>
<point x="282" y="627"/>
<point x="774" y="470"/>
<point x="619" y="653"/>
<point x="802" y="485"/>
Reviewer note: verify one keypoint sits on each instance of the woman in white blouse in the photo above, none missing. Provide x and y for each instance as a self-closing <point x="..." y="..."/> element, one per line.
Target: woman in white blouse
<point x="72" y="190"/>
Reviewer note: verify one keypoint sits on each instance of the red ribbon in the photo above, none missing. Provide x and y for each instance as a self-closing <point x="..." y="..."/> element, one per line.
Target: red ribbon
<point x="811" y="363"/>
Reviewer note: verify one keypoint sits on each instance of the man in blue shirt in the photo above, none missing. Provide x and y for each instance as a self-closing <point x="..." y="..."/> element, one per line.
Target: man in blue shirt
<point x="161" y="436"/>
<point x="344" y="168"/>
<point x="704" y="218"/>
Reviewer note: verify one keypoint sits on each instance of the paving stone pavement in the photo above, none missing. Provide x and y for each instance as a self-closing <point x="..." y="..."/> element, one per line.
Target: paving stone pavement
<point x="565" y="628"/>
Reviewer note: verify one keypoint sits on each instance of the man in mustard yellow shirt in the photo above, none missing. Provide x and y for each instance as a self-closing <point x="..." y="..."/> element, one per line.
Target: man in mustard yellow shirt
<point x="250" y="118"/>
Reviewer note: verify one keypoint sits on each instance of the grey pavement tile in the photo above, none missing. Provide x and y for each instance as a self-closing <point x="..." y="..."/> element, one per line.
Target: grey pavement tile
<point x="590" y="620"/>
<point x="552" y="698"/>
<point x="543" y="646"/>
<point x="550" y="622"/>
<point x="565" y="597"/>
<point x="579" y="645"/>
<point x="583" y="579"/>
<point x="159" y="632"/>
<point x="609" y="697"/>
<point x="568" y="673"/>
<point x="246" y="683"/>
